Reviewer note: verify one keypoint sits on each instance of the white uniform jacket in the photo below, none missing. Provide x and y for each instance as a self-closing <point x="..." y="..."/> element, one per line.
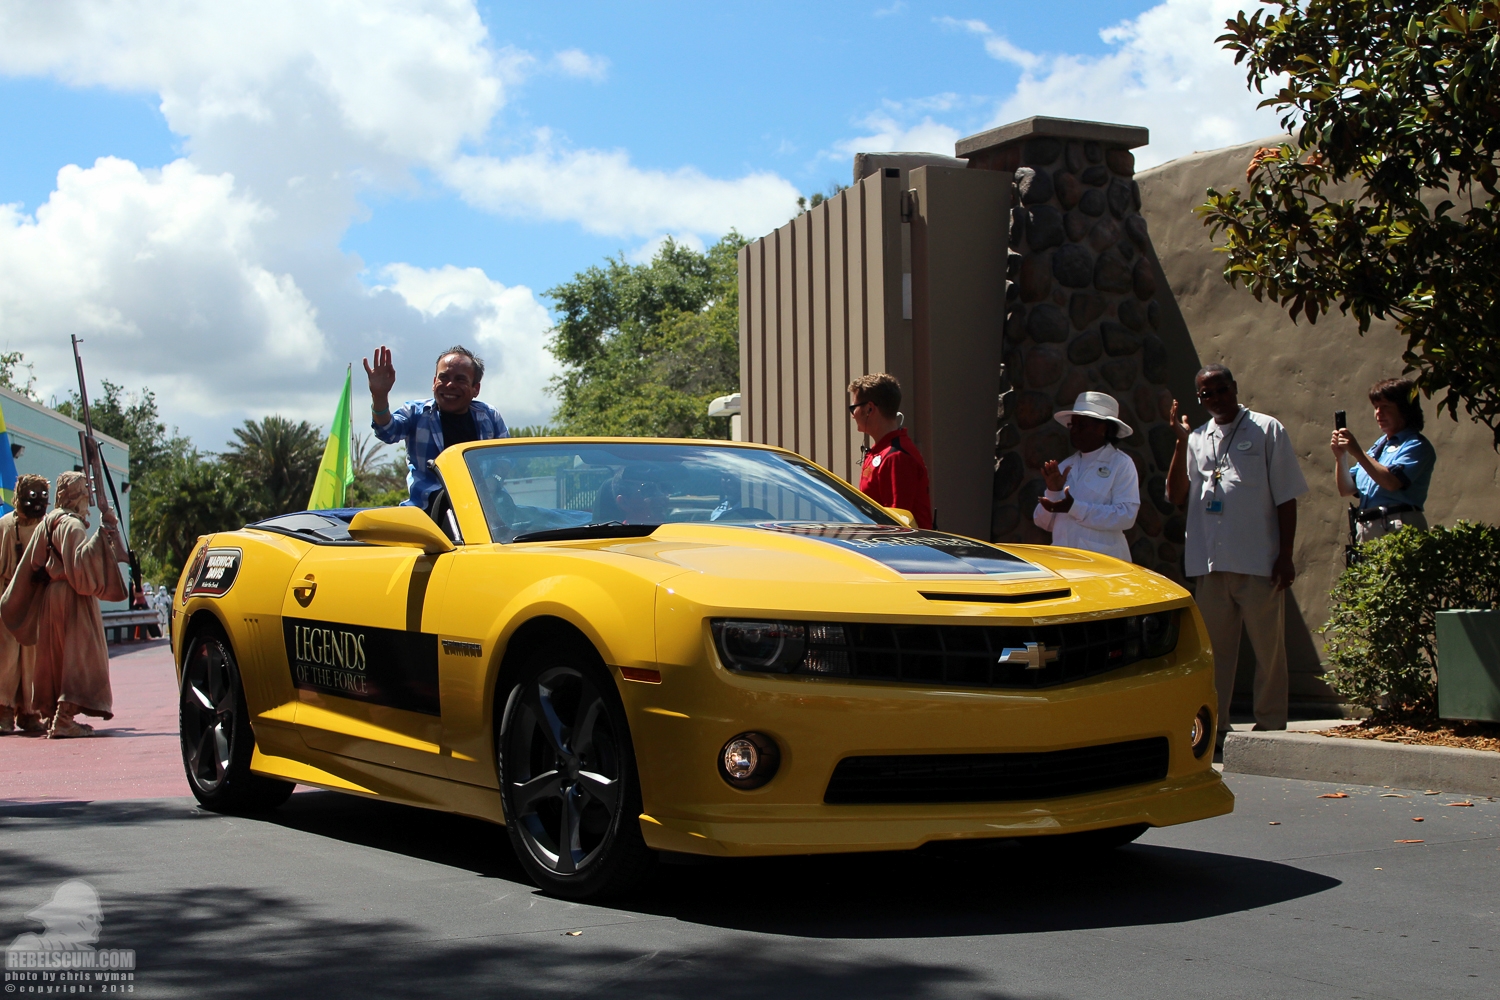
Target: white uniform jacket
<point x="1106" y="495"/>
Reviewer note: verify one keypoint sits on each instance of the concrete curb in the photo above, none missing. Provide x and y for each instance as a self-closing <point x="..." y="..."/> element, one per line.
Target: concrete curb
<point x="1362" y="762"/>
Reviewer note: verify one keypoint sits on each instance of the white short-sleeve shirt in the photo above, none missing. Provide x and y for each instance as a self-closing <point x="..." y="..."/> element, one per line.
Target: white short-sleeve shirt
<point x="1258" y="472"/>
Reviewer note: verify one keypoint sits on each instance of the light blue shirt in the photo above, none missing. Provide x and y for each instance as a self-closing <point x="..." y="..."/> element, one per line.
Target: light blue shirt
<point x="1410" y="457"/>
<point x="420" y="424"/>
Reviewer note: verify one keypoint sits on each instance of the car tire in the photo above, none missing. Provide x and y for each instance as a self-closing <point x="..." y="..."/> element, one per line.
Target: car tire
<point x="214" y="727"/>
<point x="568" y="780"/>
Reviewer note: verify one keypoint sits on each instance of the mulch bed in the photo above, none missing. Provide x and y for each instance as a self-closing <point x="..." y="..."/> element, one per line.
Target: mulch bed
<point x="1429" y="733"/>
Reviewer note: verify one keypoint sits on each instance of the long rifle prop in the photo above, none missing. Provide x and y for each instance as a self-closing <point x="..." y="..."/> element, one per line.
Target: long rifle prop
<point x="96" y="473"/>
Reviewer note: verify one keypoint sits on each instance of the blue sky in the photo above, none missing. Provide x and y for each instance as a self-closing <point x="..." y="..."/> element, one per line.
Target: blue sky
<point x="279" y="192"/>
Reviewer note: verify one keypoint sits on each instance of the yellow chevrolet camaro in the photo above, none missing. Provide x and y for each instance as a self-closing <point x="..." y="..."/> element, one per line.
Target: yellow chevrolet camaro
<point x="618" y="647"/>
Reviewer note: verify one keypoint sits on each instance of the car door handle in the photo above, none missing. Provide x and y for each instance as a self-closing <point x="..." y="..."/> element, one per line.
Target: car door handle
<point x="304" y="591"/>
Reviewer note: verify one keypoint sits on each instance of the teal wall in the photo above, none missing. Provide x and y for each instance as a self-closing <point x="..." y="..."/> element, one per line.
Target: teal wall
<point x="51" y="443"/>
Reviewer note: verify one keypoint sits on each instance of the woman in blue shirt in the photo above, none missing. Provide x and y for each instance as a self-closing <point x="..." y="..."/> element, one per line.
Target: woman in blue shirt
<point x="1390" y="479"/>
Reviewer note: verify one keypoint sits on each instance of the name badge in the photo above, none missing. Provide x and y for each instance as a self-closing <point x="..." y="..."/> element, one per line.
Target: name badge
<point x="874" y="461"/>
<point x="1214" y="506"/>
<point x="1103" y="472"/>
<point x="1242" y="446"/>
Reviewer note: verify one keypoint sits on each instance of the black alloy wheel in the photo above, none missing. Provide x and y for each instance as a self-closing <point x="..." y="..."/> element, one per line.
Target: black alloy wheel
<point x="214" y="724"/>
<point x="567" y="777"/>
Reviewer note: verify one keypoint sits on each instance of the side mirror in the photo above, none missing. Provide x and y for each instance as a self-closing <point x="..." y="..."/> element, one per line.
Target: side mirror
<point x="399" y="526"/>
<point x="906" y="517"/>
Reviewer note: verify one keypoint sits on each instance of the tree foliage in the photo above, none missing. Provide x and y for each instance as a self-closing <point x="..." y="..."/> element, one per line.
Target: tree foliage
<point x="132" y="418"/>
<point x="646" y="347"/>
<point x="12" y="363"/>
<point x="1384" y="200"/>
<point x="189" y="495"/>
<point x="278" y="459"/>
<point x="1382" y="645"/>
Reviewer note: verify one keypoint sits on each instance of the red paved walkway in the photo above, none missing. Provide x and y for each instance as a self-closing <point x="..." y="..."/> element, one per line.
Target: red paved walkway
<point x="134" y="755"/>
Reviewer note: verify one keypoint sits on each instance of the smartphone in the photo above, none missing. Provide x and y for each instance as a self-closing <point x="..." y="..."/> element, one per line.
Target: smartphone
<point x="1339" y="421"/>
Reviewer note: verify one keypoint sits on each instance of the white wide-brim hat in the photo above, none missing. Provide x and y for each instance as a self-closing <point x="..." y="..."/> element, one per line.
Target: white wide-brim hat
<point x="1100" y="406"/>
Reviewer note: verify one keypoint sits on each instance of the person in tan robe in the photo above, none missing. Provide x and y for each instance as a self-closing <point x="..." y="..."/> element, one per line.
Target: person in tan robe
<point x="18" y="707"/>
<point x="84" y="570"/>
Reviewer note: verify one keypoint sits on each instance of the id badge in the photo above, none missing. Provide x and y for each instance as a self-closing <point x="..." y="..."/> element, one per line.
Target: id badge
<point x="1214" y="506"/>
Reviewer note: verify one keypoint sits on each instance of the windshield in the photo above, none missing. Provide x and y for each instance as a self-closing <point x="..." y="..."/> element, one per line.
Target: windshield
<point x="526" y="488"/>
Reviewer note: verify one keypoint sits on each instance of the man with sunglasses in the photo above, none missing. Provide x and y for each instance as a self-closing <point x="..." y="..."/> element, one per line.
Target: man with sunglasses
<point x="452" y="416"/>
<point x="893" y="473"/>
<point x="1239" y="479"/>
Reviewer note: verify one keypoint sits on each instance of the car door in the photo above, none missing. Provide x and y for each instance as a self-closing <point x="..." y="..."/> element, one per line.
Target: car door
<point x="365" y="671"/>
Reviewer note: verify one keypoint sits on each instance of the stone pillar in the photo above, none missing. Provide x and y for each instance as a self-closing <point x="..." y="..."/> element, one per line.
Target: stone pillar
<point x="1083" y="307"/>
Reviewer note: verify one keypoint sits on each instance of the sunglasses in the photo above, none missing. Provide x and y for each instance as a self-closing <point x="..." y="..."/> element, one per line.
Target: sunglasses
<point x="855" y="406"/>
<point x="1209" y="392"/>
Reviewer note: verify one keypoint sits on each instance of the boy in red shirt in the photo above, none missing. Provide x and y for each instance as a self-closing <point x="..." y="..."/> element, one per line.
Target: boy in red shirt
<point x="893" y="474"/>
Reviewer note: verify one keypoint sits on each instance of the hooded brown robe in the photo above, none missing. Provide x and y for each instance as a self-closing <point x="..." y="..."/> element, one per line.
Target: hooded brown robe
<point x="17" y="662"/>
<point x="70" y="647"/>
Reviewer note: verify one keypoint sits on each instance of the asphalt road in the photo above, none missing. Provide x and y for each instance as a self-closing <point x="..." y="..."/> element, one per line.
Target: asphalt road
<point x="342" y="897"/>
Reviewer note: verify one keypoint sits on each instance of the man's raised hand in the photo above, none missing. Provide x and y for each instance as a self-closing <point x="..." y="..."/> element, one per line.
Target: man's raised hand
<point x="1180" y="425"/>
<point x="382" y="376"/>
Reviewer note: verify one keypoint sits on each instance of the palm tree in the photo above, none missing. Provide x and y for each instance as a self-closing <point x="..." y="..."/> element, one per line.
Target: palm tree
<point x="279" y="459"/>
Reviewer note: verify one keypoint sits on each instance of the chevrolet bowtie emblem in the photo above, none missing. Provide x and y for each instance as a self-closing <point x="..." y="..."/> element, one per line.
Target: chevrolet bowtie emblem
<point x="1033" y="654"/>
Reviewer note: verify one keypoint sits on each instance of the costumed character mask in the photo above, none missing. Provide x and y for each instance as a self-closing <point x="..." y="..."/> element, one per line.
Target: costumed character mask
<point x="31" y="495"/>
<point x="73" y="493"/>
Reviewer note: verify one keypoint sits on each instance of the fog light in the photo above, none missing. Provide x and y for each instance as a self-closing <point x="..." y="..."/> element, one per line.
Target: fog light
<point x="1203" y="732"/>
<point x="749" y="760"/>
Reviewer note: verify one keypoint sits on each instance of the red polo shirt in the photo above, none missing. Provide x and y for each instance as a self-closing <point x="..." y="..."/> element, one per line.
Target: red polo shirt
<point x="894" y="475"/>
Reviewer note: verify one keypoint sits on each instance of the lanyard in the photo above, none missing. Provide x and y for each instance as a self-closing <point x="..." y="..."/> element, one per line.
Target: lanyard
<point x="1223" y="451"/>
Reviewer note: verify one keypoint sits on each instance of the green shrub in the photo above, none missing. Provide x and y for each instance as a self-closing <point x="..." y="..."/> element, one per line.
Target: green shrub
<point x="1382" y="646"/>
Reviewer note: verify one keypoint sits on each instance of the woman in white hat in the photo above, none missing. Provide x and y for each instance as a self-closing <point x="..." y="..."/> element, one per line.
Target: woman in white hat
<point x="1093" y="494"/>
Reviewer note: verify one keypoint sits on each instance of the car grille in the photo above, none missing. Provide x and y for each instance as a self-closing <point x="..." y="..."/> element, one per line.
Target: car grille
<point x="969" y="655"/>
<point x="996" y="777"/>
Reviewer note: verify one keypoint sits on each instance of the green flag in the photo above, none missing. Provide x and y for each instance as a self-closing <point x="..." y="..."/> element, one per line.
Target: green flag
<point x="337" y="470"/>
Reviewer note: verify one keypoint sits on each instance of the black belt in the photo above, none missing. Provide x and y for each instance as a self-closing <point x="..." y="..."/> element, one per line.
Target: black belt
<point x="1381" y="513"/>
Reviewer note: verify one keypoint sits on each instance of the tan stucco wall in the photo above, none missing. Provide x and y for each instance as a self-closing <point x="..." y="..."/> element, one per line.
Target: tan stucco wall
<point x="1299" y="374"/>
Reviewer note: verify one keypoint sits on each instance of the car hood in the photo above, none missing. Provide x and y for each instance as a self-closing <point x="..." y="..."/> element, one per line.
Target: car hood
<point x="798" y="564"/>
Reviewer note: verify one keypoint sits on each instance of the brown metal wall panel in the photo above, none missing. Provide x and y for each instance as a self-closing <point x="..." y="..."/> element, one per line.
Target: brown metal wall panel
<point x="856" y="300"/>
<point x="747" y="314"/>
<point x="838" y="337"/>
<point x="819" y="416"/>
<point x="959" y="236"/>
<point x="820" y="300"/>
<point x="801" y="339"/>
<point x="786" y="433"/>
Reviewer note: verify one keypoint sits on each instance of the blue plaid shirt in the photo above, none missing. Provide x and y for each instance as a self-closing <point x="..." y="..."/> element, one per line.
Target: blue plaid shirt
<point x="420" y="425"/>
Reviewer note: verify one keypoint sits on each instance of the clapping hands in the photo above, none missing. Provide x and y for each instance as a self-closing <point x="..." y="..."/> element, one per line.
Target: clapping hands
<point x="1056" y="479"/>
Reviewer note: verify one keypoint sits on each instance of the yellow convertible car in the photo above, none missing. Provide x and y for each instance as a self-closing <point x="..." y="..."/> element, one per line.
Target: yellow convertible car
<point x="619" y="647"/>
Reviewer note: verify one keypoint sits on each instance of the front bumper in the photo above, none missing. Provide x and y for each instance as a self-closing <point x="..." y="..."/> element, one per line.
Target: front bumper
<point x="680" y="725"/>
<point x="823" y="829"/>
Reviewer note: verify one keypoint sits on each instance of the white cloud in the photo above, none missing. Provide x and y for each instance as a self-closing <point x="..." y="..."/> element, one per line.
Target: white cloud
<point x="605" y="193"/>
<point x="576" y="62"/>
<point x="887" y="135"/>
<point x="159" y="271"/>
<point x="998" y="46"/>
<point x="411" y="79"/>
<point x="508" y="327"/>
<point x="1166" y="72"/>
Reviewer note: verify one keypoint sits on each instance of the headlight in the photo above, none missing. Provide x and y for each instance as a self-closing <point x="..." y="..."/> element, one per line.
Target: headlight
<point x="772" y="647"/>
<point x="1147" y="637"/>
<point x="1158" y="634"/>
